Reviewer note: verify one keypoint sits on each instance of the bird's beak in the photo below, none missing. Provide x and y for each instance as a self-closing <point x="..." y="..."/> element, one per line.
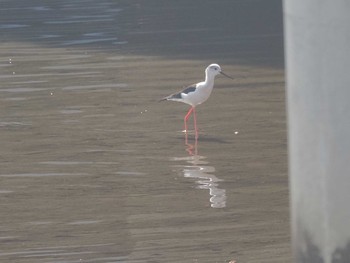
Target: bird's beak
<point x="222" y="73"/>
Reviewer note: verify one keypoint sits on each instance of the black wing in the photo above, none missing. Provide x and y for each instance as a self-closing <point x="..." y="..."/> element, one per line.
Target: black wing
<point x="189" y="89"/>
<point x="177" y="95"/>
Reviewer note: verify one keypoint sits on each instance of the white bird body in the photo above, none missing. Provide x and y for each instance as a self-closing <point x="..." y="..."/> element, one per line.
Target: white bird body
<point x="201" y="94"/>
<point x="197" y="93"/>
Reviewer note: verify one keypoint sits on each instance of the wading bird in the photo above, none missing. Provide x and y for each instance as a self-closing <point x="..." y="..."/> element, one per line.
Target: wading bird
<point x="197" y="93"/>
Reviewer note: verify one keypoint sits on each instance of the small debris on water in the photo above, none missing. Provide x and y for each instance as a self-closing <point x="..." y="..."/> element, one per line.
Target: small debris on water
<point x="236" y="132"/>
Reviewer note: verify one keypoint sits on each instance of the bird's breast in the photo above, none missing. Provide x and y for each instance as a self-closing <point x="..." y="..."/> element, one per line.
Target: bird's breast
<point x="201" y="94"/>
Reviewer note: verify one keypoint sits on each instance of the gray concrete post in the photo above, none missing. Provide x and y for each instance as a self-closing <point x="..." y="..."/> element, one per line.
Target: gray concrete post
<point x="317" y="48"/>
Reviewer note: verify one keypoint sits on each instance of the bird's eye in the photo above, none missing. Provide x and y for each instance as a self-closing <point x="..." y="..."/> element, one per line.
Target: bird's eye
<point x="215" y="68"/>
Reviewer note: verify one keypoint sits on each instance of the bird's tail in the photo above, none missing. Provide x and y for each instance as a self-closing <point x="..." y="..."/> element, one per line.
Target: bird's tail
<point x="165" y="98"/>
<point x="173" y="97"/>
<point x="170" y="97"/>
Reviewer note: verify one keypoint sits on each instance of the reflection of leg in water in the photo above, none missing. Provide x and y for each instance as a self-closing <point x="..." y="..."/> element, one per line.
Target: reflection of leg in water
<point x="191" y="148"/>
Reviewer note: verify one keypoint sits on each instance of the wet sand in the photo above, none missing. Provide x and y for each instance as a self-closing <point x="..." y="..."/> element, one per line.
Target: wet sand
<point x="95" y="169"/>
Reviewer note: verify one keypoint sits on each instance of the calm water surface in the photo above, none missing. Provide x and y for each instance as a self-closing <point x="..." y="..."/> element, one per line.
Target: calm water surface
<point x="94" y="169"/>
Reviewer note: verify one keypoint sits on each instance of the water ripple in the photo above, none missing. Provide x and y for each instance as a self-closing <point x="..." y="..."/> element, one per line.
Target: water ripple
<point x="12" y="26"/>
<point x="42" y="174"/>
<point x="5" y="192"/>
<point x="13" y="124"/>
<point x="85" y="87"/>
<point x="205" y="178"/>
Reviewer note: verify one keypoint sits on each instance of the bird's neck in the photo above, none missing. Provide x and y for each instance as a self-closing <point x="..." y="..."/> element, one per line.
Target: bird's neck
<point x="209" y="80"/>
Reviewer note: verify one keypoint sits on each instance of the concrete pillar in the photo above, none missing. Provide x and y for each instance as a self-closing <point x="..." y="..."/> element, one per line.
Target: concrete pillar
<point x="317" y="41"/>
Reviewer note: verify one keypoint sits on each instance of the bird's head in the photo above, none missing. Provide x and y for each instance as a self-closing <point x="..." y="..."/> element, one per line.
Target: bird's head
<point x="215" y="69"/>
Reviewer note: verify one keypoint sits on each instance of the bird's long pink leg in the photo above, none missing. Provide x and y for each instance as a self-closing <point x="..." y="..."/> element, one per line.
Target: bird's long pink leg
<point x="195" y="122"/>
<point x="187" y="116"/>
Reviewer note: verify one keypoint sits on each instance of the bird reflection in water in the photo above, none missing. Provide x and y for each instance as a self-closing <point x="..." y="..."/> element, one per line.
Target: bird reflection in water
<point x="197" y="167"/>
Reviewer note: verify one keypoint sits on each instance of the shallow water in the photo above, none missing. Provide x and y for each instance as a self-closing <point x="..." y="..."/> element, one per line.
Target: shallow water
<point x="95" y="169"/>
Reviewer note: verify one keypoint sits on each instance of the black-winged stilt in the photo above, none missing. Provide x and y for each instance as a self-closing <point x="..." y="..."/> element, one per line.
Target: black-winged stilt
<point x="197" y="93"/>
